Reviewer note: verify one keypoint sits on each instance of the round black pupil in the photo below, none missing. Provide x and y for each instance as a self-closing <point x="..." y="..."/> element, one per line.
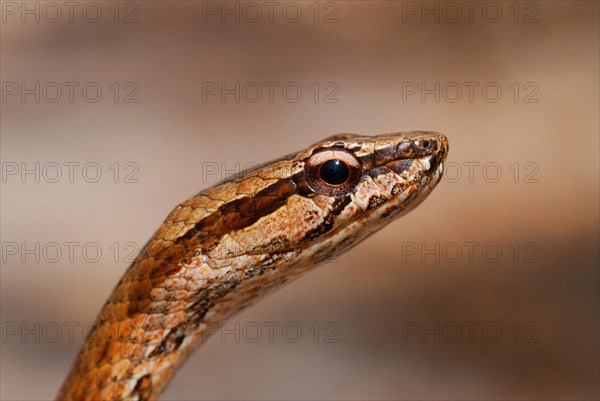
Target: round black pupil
<point x="334" y="172"/>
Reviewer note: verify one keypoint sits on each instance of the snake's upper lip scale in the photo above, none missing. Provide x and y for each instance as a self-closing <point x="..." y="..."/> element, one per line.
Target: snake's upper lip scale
<point x="430" y="162"/>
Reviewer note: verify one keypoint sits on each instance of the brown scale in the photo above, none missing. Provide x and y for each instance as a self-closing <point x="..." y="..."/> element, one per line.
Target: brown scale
<point x="169" y="300"/>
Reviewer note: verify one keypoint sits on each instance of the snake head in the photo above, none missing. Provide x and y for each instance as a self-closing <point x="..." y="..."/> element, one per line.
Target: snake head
<point x="396" y="168"/>
<point x="317" y="202"/>
<point x="364" y="182"/>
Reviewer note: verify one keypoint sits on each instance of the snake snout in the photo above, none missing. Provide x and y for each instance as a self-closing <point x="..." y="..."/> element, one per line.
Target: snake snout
<point x="442" y="145"/>
<point x="419" y="144"/>
<point x="427" y="142"/>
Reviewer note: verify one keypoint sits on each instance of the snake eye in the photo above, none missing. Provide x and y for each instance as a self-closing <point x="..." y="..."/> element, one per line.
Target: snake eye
<point x="332" y="171"/>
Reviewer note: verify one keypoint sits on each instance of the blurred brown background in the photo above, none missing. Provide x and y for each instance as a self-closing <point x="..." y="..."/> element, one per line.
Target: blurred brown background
<point x="411" y="312"/>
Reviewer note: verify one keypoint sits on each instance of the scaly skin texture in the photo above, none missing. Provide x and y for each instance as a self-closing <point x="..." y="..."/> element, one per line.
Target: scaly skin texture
<point x="232" y="244"/>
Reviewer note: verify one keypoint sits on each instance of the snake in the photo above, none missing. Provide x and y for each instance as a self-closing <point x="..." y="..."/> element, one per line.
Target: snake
<point x="229" y="246"/>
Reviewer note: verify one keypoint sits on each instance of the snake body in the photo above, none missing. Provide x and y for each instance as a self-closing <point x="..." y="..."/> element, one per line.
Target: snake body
<point x="223" y="249"/>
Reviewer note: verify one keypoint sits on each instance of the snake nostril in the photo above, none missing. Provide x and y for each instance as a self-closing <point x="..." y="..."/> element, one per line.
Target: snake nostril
<point x="425" y="144"/>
